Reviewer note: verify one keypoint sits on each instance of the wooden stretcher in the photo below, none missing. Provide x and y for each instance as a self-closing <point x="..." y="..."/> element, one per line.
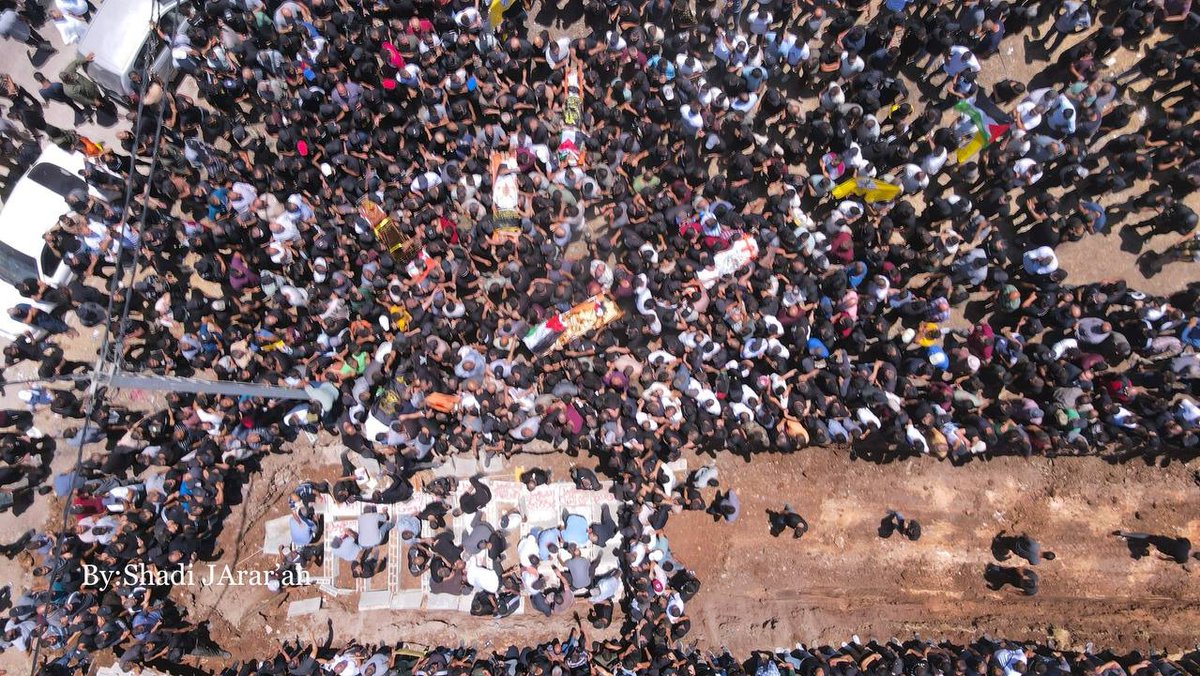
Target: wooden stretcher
<point x="571" y="147"/>
<point x="406" y="250"/>
<point x="381" y="224"/>
<point x="573" y="105"/>
<point x="559" y="330"/>
<point x="506" y="196"/>
<point x="403" y="248"/>
<point x="371" y="212"/>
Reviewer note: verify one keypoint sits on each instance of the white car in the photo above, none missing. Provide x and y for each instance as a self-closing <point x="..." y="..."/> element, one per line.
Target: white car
<point x="34" y="207"/>
<point x="118" y="38"/>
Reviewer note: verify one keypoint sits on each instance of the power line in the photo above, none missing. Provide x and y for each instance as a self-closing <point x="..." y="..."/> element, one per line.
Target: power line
<point x="119" y="356"/>
<point x="96" y="395"/>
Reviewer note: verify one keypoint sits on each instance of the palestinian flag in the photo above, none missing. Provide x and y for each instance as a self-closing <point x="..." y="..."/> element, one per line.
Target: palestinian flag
<point x="987" y="129"/>
<point x="561" y="328"/>
<point x="541" y="337"/>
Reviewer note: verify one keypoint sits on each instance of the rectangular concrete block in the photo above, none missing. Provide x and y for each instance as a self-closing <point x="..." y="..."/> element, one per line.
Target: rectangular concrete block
<point x="276" y="535"/>
<point x="305" y="607"/>
<point x="442" y="602"/>
<point x="375" y="600"/>
<point x="457" y="466"/>
<point x="408" y="600"/>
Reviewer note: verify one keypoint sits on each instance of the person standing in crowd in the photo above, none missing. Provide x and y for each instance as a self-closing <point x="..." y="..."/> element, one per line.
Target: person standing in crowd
<point x="14" y="27"/>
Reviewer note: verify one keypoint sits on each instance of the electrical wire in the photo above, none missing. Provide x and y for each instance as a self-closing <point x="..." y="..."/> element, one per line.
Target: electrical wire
<point x="95" y="393"/>
<point x="122" y="325"/>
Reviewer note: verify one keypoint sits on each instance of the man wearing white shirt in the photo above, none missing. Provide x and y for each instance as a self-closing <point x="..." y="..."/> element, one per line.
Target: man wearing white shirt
<point x="284" y="231"/>
<point x="1026" y="171"/>
<point x="481" y="575"/>
<point x="1040" y="261"/>
<point x="959" y="59"/>
<point x="913" y="179"/>
<point x="1012" y="661"/>
<point x="74" y="8"/>
<point x="242" y="196"/>
<point x="1188" y="414"/>
<point x="1028" y="114"/>
<point x="692" y="118"/>
<point x="1062" y="118"/>
<point x="606" y="587"/>
<point x="527" y="551"/>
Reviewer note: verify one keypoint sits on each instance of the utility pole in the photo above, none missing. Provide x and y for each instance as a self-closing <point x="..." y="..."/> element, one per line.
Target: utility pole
<point x="324" y="394"/>
<point x="199" y="385"/>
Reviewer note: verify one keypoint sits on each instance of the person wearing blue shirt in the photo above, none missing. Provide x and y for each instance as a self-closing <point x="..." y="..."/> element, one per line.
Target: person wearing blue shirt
<point x="1191" y="333"/>
<point x="754" y="77"/>
<point x="549" y="540"/>
<point x="1095" y="216"/>
<point x="302" y="529"/>
<point x="664" y="66"/>
<point x="218" y="203"/>
<point x="575" y="529"/>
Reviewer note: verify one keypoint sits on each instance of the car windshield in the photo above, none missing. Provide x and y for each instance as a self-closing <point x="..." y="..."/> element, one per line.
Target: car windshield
<point x="169" y="23"/>
<point x="54" y="177"/>
<point x="15" y="266"/>
<point x="50" y="261"/>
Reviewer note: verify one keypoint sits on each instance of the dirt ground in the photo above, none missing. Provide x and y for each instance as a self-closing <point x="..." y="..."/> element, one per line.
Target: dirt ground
<point x="841" y="578"/>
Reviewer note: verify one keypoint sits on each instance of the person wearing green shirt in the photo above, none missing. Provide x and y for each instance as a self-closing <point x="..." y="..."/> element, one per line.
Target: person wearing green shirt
<point x="78" y="87"/>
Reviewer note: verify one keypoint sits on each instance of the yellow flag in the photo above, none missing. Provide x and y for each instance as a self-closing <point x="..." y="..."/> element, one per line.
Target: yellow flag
<point x="496" y="11"/>
<point x="973" y="146"/>
<point x="870" y="189"/>
<point x="881" y="192"/>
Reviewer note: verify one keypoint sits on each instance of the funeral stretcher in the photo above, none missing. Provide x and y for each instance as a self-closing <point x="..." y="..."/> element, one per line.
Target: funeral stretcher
<point x="571" y="142"/>
<point x="573" y="105"/>
<point x="388" y="407"/>
<point x="560" y="329"/>
<point x="403" y="248"/>
<point x="506" y="195"/>
<point x="727" y="262"/>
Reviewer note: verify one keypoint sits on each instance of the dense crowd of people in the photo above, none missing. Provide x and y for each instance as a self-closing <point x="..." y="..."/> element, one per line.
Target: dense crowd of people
<point x="793" y="237"/>
<point x="576" y="656"/>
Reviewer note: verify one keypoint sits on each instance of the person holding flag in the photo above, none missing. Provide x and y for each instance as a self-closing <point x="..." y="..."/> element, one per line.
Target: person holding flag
<point x="496" y="10"/>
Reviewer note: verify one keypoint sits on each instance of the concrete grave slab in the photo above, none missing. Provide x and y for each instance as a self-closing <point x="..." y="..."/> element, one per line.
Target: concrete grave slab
<point x="304" y="607"/>
<point x="276" y="535"/>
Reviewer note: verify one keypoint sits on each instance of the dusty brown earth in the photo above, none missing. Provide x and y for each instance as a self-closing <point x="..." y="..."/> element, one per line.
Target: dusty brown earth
<point x="842" y="578"/>
<point x="245" y="619"/>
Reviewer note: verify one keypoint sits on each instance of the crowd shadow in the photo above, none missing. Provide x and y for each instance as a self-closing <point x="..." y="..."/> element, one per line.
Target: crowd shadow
<point x="551" y="14"/>
<point x="40" y="56"/>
